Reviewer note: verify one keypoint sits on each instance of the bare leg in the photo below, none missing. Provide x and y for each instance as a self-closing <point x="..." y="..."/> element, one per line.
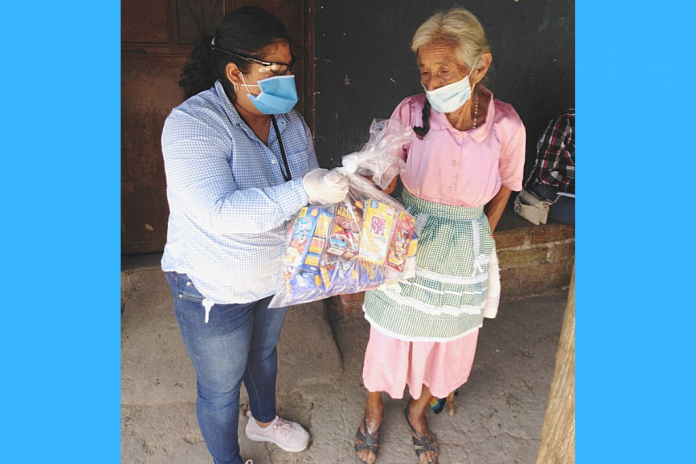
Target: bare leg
<point x="450" y="404"/>
<point x="374" y="413"/>
<point x="416" y="416"/>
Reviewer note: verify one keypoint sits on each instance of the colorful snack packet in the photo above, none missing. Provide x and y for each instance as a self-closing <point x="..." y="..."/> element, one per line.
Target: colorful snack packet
<point x="410" y="264"/>
<point x="376" y="232"/>
<point x="308" y="239"/>
<point x="352" y="276"/>
<point x="345" y="230"/>
<point x="401" y="241"/>
<point x="413" y="246"/>
<point x="302" y="285"/>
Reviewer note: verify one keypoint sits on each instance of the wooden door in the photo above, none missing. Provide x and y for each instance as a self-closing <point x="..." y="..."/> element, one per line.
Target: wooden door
<point x="157" y="37"/>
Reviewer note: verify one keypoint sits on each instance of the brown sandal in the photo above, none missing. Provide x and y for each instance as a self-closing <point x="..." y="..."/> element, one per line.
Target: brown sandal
<point x="422" y="444"/>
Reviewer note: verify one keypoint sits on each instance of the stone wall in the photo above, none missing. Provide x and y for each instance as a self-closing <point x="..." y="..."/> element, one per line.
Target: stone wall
<point x="536" y="260"/>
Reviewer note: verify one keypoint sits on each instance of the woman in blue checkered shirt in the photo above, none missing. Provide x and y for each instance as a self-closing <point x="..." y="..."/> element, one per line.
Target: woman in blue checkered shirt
<point x="239" y="164"/>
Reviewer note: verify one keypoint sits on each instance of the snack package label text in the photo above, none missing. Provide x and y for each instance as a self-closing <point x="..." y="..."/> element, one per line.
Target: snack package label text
<point x="401" y="241"/>
<point x="345" y="231"/>
<point x="377" y="230"/>
<point x="308" y="239"/>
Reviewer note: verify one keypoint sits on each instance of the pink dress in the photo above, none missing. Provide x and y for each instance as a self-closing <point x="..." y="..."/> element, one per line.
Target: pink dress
<point x="457" y="168"/>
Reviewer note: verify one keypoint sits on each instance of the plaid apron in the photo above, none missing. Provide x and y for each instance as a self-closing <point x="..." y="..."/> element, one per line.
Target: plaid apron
<point x="445" y="299"/>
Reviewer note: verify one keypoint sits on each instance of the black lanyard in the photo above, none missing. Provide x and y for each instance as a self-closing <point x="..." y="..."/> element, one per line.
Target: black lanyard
<point x="287" y="176"/>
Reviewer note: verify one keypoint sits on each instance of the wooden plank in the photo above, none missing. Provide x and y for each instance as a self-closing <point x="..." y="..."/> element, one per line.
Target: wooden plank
<point x="149" y="91"/>
<point x="144" y="21"/>
<point x="557" y="444"/>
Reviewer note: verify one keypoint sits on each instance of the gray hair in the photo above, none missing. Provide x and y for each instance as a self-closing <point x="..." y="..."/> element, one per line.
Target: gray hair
<point x="457" y="27"/>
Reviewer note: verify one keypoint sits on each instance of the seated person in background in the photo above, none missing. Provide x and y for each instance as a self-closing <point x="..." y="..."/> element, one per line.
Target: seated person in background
<point x="554" y="170"/>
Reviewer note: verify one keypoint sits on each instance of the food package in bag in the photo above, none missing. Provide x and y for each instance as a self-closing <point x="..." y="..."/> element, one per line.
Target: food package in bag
<point x="377" y="231"/>
<point x="345" y="229"/>
<point x="304" y="286"/>
<point x="409" y="268"/>
<point x="401" y="241"/>
<point x="346" y="276"/>
<point x="359" y="243"/>
<point x="308" y="238"/>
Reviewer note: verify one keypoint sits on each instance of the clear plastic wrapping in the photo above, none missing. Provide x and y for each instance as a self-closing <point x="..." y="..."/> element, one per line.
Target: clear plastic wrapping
<point x="381" y="157"/>
<point x="365" y="241"/>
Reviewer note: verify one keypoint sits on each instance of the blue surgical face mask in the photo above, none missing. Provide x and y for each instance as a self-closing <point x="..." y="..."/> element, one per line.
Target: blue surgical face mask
<point x="278" y="94"/>
<point x="450" y="97"/>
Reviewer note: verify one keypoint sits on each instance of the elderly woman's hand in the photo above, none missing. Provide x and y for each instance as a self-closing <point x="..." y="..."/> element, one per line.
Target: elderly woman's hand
<point x="388" y="189"/>
<point x="391" y="187"/>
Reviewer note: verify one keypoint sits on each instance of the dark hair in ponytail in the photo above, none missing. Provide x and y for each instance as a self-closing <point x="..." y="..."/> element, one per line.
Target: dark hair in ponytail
<point x="421" y="131"/>
<point x="248" y="30"/>
<point x="198" y="74"/>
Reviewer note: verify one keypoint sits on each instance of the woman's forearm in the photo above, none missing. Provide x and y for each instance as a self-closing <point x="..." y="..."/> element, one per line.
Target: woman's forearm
<point x="495" y="207"/>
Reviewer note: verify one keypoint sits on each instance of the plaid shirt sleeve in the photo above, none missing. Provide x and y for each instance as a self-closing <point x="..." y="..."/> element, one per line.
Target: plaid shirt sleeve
<point x="555" y="164"/>
<point x="197" y="167"/>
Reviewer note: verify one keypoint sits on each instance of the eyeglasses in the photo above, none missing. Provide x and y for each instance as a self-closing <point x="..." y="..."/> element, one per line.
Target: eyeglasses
<point x="268" y="66"/>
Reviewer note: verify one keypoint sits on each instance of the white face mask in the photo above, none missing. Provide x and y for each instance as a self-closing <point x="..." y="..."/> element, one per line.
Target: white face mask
<point x="450" y="97"/>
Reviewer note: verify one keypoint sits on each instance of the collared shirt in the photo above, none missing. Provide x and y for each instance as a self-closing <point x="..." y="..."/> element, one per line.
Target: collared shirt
<point x="555" y="161"/>
<point x="228" y="200"/>
<point x="463" y="168"/>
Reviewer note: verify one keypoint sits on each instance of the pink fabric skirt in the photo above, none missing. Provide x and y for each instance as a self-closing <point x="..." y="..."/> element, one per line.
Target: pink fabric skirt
<point x="391" y="364"/>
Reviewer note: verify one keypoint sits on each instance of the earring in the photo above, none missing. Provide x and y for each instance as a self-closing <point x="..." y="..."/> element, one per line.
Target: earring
<point x="236" y="87"/>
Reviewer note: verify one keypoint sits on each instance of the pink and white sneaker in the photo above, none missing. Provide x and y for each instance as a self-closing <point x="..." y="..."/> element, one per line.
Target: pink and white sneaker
<point x="289" y="436"/>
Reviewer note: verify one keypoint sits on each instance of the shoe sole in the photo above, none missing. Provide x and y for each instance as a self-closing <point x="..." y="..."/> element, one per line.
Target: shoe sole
<point x="253" y="437"/>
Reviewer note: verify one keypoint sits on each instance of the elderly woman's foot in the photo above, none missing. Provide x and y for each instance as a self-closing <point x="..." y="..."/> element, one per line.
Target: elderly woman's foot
<point x="369" y="433"/>
<point x="424" y="440"/>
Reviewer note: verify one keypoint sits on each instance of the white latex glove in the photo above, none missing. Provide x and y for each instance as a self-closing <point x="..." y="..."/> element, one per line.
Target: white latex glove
<point x="325" y="187"/>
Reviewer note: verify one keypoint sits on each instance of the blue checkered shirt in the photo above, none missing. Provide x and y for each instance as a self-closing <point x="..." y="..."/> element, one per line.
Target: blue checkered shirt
<point x="228" y="200"/>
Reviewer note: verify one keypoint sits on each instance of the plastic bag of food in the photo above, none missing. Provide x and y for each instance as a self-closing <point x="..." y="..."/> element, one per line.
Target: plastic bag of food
<point x="360" y="243"/>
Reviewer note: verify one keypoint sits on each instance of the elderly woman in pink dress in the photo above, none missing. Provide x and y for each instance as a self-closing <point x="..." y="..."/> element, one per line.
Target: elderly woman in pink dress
<point x="469" y="154"/>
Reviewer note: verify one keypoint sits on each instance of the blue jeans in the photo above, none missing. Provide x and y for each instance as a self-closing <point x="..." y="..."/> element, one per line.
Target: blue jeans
<point x="564" y="208"/>
<point x="238" y="343"/>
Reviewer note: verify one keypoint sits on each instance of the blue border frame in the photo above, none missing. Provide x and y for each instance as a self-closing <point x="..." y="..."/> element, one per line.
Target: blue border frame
<point x="635" y="101"/>
<point x="60" y="335"/>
